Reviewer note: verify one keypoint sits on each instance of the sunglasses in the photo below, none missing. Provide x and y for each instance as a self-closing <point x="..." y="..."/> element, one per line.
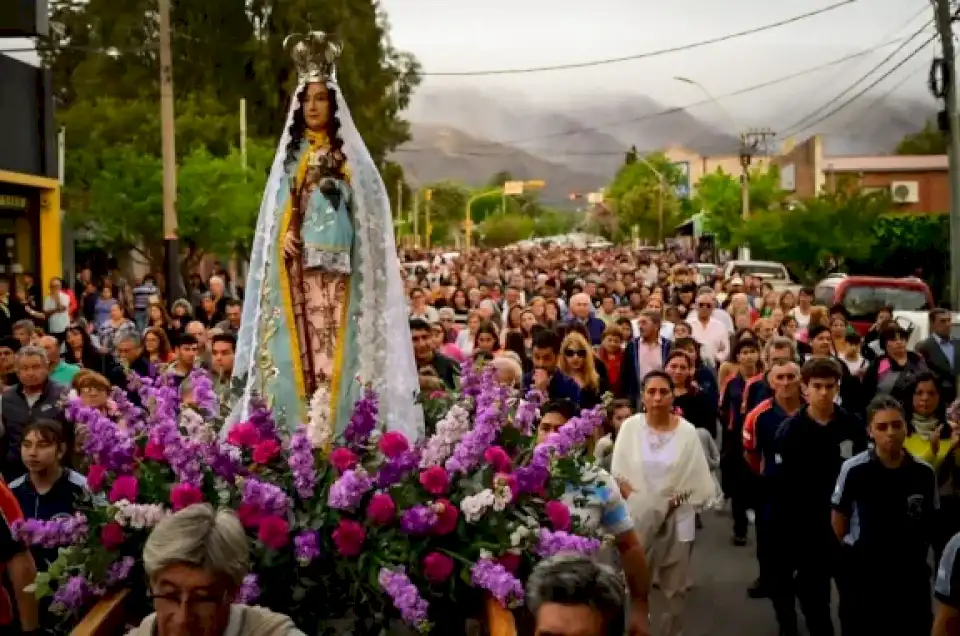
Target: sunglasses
<point x="579" y="353"/>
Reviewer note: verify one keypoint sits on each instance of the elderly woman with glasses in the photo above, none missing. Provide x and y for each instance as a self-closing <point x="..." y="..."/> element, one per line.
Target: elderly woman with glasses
<point x="196" y="561"/>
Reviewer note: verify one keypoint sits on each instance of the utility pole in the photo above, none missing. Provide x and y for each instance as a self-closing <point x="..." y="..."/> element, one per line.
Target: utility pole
<point x="171" y="249"/>
<point x="243" y="134"/>
<point x="750" y="141"/>
<point x="416" y="219"/>
<point x="428" y="230"/>
<point x="948" y="90"/>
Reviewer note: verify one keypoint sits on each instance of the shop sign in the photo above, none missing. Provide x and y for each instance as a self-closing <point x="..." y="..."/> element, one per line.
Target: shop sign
<point x="11" y="201"/>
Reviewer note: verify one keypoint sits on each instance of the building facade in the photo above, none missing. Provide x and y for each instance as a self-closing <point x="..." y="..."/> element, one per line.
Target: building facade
<point x="916" y="183"/>
<point x="31" y="237"/>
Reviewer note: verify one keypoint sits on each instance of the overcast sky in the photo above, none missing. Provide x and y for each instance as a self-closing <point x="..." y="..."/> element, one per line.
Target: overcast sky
<point x="467" y="35"/>
<point x="471" y="35"/>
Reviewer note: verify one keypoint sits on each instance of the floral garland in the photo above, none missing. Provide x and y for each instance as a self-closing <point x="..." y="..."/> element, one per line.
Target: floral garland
<point x="378" y="522"/>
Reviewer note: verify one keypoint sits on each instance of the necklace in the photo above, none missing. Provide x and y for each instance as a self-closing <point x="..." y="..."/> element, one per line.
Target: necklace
<point x="657" y="439"/>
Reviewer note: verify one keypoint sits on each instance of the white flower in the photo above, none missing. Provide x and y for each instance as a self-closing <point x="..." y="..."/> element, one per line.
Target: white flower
<point x="502" y="495"/>
<point x="319" y="429"/>
<point x="475" y="506"/>
<point x="139" y="516"/>
<point x="520" y="535"/>
<point x="197" y="429"/>
<point x="450" y="430"/>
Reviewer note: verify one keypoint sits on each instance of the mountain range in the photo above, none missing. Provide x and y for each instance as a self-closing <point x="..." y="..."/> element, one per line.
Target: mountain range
<point x="469" y="135"/>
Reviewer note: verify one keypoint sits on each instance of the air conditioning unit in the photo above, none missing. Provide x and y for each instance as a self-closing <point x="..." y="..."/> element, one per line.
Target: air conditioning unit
<point x="905" y="191"/>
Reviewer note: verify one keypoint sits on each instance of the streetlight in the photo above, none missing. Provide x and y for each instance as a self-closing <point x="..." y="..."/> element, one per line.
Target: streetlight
<point x="662" y="192"/>
<point x="710" y="96"/>
<point x="468" y="222"/>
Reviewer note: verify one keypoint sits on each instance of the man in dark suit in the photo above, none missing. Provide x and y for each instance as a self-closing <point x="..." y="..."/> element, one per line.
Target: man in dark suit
<point x="941" y="352"/>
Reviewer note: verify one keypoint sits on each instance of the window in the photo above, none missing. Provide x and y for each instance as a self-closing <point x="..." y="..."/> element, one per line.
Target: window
<point x="766" y="272"/>
<point x="863" y="302"/>
<point x="823" y="294"/>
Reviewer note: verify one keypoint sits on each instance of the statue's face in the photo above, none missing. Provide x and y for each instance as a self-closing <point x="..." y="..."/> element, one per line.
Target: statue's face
<point x="316" y="106"/>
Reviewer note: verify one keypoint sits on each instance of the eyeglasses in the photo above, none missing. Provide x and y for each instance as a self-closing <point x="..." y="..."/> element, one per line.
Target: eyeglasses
<point x="579" y="353"/>
<point x="705" y="305"/>
<point x="172" y="601"/>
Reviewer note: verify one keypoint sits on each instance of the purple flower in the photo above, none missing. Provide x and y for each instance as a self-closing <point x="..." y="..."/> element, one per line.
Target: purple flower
<point x="262" y="419"/>
<point x="489" y="575"/>
<point x="419" y="520"/>
<point x="491" y="405"/>
<point x="527" y="411"/>
<point x="560" y="542"/>
<point x="55" y="533"/>
<point x="183" y="454"/>
<point x="249" y="590"/>
<point x="406" y="598"/>
<point x="470" y="380"/>
<point x="203" y="395"/>
<point x="72" y="595"/>
<point x="119" y="571"/>
<point x="107" y="444"/>
<point x="301" y="464"/>
<point x="266" y="498"/>
<point x="396" y="468"/>
<point x="363" y="421"/>
<point x="571" y="436"/>
<point x="306" y="546"/>
<point x="347" y="492"/>
<point x="225" y="460"/>
<point x="129" y="413"/>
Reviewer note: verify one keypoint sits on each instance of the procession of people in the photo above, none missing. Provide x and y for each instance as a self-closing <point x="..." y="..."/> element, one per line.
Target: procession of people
<point x="722" y="395"/>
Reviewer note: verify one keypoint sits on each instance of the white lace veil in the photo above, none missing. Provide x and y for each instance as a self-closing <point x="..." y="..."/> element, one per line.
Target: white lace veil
<point x="383" y="332"/>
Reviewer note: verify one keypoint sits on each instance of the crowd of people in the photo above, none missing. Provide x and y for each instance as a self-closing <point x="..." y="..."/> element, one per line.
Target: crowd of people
<point x="840" y="450"/>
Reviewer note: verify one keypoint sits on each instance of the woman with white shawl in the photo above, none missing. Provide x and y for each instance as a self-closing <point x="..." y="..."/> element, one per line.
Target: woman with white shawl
<point x="325" y="313"/>
<point x="664" y="475"/>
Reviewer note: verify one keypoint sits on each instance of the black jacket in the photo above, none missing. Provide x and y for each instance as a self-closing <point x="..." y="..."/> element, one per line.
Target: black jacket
<point x="17" y="413"/>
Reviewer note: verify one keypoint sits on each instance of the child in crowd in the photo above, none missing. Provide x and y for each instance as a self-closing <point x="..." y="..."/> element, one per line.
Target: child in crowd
<point x="851" y="356"/>
<point x="617" y="413"/>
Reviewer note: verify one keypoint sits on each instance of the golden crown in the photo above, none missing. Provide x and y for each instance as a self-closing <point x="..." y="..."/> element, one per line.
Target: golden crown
<point x="314" y="54"/>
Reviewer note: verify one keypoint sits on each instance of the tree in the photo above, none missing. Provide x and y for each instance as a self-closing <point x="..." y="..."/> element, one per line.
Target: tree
<point x="636" y="196"/>
<point x="504" y="229"/>
<point x="218" y="203"/>
<point x="719" y="195"/>
<point x="929" y="141"/>
<point x="818" y="235"/>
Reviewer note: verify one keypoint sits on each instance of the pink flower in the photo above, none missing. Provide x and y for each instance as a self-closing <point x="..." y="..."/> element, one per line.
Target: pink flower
<point x="344" y="459"/>
<point x="498" y="459"/>
<point x="447" y="517"/>
<point x="510" y="561"/>
<point x="437" y="567"/>
<point x="124" y="488"/>
<point x="436" y="395"/>
<point x="381" y="510"/>
<point x="264" y="452"/>
<point x="153" y="451"/>
<point x="249" y="515"/>
<point x="112" y="536"/>
<point x="183" y="495"/>
<point x="243" y="434"/>
<point x="559" y="514"/>
<point x="435" y="480"/>
<point x="349" y="537"/>
<point x="95" y="477"/>
<point x="274" y="532"/>
<point x="394" y="443"/>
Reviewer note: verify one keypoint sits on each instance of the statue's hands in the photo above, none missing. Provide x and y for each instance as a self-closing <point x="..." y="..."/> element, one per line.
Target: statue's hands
<point x="291" y="245"/>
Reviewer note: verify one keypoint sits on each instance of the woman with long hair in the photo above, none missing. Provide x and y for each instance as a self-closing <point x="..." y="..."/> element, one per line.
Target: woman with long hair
<point x="158" y="317"/>
<point x="156" y="346"/>
<point x="663" y="472"/>
<point x="468" y="335"/>
<point x="461" y="306"/>
<point x="487" y="337"/>
<point x="80" y="350"/>
<point x="579" y="363"/>
<point x="689" y="401"/>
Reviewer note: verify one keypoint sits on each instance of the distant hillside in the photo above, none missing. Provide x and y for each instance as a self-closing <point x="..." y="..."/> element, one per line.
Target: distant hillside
<point x="439" y="152"/>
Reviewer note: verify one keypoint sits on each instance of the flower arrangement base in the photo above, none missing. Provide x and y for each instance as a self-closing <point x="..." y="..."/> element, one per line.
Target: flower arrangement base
<point x="106" y="618"/>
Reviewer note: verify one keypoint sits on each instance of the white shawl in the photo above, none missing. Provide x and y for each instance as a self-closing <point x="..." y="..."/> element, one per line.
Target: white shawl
<point x="690" y="474"/>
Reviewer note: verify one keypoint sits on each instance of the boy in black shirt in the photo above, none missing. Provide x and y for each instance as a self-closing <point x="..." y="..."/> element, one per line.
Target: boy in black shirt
<point x="883" y="513"/>
<point x="809" y="449"/>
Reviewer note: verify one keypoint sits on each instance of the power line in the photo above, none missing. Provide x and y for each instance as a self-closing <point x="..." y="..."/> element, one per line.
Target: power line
<point x="862" y="92"/>
<point x="677" y="109"/>
<point x="799" y="124"/>
<point x="561" y="67"/>
<point x="641" y="56"/>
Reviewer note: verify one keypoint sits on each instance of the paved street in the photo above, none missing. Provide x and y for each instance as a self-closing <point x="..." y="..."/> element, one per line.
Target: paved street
<point x="718" y="605"/>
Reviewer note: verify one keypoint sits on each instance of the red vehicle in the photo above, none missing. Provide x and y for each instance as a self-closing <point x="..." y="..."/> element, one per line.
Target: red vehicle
<point x="864" y="296"/>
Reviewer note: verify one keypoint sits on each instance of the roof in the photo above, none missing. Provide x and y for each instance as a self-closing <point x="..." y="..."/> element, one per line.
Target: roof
<point x="886" y="163"/>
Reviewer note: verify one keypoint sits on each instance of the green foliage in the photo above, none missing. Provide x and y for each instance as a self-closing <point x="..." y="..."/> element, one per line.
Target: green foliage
<point x="929" y="141"/>
<point x="637" y="197"/>
<point x="719" y="196"/>
<point x="817" y="235"/>
<point x="504" y="229"/>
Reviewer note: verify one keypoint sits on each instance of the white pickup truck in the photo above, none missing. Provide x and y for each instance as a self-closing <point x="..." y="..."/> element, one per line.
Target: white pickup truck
<point x="768" y="271"/>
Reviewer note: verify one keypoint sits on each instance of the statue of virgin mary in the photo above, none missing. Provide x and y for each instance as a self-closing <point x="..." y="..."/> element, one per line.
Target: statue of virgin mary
<point x="324" y="314"/>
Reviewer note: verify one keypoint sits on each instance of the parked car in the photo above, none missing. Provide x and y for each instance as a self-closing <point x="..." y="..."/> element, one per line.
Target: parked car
<point x="864" y="296"/>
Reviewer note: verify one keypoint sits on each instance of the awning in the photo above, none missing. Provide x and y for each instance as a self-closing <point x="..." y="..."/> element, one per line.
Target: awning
<point x="692" y="226"/>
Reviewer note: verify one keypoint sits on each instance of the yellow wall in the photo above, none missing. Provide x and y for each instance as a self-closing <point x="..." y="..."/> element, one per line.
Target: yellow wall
<point x="51" y="224"/>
